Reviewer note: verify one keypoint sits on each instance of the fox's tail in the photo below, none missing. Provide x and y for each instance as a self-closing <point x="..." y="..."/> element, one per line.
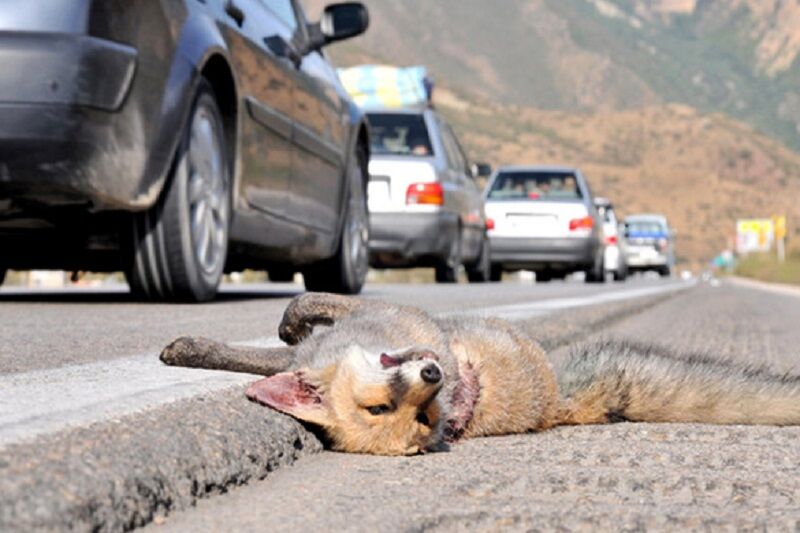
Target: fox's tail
<point x="614" y="382"/>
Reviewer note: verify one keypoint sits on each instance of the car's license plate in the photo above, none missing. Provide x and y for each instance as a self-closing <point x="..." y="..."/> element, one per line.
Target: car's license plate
<point x="534" y="224"/>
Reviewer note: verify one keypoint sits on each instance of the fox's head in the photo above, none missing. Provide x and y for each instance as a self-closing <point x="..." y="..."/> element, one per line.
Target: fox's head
<point x="379" y="403"/>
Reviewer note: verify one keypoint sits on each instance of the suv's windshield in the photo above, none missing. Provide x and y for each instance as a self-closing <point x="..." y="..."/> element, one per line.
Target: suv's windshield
<point x="538" y="185"/>
<point x="399" y="134"/>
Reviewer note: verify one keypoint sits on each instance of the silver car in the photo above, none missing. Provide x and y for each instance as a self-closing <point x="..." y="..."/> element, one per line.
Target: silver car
<point x="543" y="218"/>
<point x="649" y="244"/>
<point x="426" y="208"/>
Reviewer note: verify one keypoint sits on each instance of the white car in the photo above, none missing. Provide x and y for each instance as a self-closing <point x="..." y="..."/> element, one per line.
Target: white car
<point x="542" y="218"/>
<point x="649" y="244"/>
<point x="426" y="208"/>
<point x="614" y="254"/>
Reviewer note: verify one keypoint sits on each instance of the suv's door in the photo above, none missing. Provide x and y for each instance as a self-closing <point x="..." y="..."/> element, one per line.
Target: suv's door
<point x="266" y="82"/>
<point x="320" y="137"/>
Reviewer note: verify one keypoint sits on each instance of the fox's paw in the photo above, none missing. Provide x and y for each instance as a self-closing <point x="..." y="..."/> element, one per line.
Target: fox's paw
<point x="293" y="331"/>
<point x="181" y="351"/>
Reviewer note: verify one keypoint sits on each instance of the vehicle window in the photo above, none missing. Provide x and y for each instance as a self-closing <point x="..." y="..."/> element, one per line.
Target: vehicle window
<point x="645" y="228"/>
<point x="284" y="10"/>
<point x="537" y="185"/>
<point x="462" y="156"/>
<point x="399" y="134"/>
<point x="454" y="159"/>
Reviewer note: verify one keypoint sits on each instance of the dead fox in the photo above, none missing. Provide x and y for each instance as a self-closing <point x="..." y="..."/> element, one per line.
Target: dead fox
<point x="393" y="380"/>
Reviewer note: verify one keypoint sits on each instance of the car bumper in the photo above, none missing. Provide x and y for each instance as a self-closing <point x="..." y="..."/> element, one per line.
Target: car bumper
<point x="58" y="96"/>
<point x="523" y="253"/>
<point x="408" y="239"/>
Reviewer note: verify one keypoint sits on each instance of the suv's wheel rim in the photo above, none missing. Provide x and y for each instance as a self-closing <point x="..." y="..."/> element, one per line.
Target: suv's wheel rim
<point x="357" y="233"/>
<point x="208" y="192"/>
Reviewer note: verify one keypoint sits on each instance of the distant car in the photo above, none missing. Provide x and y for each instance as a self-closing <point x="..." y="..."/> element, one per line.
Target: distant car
<point x="179" y="139"/>
<point x="426" y="208"/>
<point x="614" y="254"/>
<point x="649" y="244"/>
<point x="543" y="218"/>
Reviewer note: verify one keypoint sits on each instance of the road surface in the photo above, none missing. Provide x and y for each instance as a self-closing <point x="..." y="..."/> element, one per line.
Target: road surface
<point x="94" y="433"/>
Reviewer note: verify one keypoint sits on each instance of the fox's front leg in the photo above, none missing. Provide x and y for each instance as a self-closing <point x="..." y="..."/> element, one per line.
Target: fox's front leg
<point x="197" y="352"/>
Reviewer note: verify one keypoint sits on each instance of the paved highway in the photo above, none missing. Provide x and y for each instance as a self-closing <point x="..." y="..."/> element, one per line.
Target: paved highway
<point x="87" y="411"/>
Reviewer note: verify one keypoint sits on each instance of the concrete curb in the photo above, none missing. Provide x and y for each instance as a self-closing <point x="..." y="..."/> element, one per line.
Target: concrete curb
<point x="125" y="473"/>
<point x="122" y="474"/>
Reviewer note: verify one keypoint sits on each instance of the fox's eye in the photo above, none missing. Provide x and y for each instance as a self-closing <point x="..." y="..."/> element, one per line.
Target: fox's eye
<point x="379" y="409"/>
<point x="422" y="418"/>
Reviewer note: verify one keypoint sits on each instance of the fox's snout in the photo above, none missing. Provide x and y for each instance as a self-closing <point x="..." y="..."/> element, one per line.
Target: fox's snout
<point x="431" y="374"/>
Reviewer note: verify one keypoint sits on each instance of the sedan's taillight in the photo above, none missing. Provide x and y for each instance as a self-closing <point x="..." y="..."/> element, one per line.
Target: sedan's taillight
<point x="611" y="240"/>
<point x="490" y="224"/>
<point x="581" y="223"/>
<point x="661" y="245"/>
<point x="425" y="193"/>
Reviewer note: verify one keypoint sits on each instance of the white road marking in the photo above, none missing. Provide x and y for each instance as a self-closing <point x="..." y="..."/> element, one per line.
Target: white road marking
<point x="543" y="307"/>
<point x="776" y="288"/>
<point x="45" y="401"/>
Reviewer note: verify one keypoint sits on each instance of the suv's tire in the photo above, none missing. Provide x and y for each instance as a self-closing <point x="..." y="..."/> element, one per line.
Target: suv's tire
<point x="665" y="272"/>
<point x="544" y="276"/>
<point x="346" y="271"/>
<point x="481" y="270"/>
<point x="179" y="246"/>
<point x="448" y="267"/>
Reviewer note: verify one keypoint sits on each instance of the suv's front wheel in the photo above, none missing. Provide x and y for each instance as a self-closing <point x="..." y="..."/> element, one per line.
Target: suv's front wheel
<point x="179" y="246"/>
<point x="346" y="271"/>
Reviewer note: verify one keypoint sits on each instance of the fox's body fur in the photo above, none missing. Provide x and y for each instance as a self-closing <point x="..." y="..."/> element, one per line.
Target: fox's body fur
<point x="389" y="379"/>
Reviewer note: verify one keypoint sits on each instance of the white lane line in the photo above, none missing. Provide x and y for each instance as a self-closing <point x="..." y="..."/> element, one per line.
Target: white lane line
<point x="775" y="288"/>
<point x="543" y="307"/>
<point x="45" y="401"/>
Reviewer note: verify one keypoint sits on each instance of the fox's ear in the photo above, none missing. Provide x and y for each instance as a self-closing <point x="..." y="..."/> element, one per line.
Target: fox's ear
<point x="301" y="394"/>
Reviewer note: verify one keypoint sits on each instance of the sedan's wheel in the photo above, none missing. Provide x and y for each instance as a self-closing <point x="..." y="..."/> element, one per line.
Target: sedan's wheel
<point x="481" y="270"/>
<point x="596" y="274"/>
<point x="346" y="271"/>
<point x="496" y="273"/>
<point x="447" y="269"/>
<point x="178" y="247"/>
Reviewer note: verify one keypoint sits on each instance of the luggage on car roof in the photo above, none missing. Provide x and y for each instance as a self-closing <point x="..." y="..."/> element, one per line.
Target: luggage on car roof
<point x="387" y="87"/>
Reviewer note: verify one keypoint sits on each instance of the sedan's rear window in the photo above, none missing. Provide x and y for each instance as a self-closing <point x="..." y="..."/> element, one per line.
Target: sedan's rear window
<point x="644" y="229"/>
<point x="535" y="186"/>
<point x="399" y="134"/>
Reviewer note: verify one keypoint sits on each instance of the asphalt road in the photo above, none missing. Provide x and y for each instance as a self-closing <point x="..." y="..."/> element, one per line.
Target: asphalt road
<point x="96" y="434"/>
<point x="618" y="477"/>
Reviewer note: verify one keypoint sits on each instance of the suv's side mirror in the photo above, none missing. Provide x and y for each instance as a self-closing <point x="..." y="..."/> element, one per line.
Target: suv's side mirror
<point x="339" y="22"/>
<point x="481" y="170"/>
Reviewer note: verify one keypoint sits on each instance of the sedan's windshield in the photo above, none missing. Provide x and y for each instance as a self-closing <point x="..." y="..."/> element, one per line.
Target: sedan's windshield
<point x="399" y="134"/>
<point x="538" y="185"/>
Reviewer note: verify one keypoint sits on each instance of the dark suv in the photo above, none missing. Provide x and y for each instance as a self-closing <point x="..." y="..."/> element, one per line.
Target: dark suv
<point x="179" y="139"/>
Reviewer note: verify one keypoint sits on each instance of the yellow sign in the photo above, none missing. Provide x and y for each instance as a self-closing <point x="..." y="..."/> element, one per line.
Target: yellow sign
<point x="780" y="226"/>
<point x="754" y="235"/>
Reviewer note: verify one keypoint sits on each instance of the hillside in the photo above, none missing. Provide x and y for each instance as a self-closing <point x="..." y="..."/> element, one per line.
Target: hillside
<point x="733" y="56"/>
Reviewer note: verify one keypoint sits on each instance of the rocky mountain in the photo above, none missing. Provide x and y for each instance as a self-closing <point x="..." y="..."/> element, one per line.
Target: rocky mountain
<point x="738" y="57"/>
